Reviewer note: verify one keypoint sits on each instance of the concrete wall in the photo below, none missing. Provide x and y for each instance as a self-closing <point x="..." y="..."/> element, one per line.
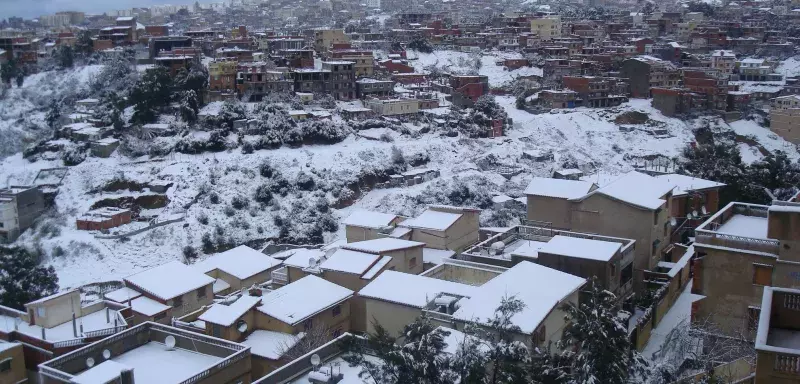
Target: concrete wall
<point x="786" y="124"/>
<point x="765" y="373"/>
<point x="463" y="233"/>
<point x="354" y="233"/>
<point x="391" y="316"/>
<point x="549" y="209"/>
<point x="726" y="279"/>
<point x="785" y="226"/>
<point x="465" y="275"/>
<point x="340" y="322"/>
<point x="191" y="301"/>
<point x="57" y="310"/>
<point x="17" y="373"/>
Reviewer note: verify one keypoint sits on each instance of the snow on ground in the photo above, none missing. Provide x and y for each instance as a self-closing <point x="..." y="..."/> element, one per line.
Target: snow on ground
<point x="583" y="138"/>
<point x="681" y="311"/>
<point x="463" y="62"/>
<point x="765" y="137"/>
<point x="749" y="154"/>
<point x="790" y="67"/>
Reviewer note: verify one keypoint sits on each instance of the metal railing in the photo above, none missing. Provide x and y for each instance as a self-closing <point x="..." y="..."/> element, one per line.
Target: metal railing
<point x="68" y="343"/>
<point x="55" y="374"/>
<point x="236" y="357"/>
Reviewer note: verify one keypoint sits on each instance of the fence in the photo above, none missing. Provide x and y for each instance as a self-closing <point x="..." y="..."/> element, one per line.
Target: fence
<point x="140" y="230"/>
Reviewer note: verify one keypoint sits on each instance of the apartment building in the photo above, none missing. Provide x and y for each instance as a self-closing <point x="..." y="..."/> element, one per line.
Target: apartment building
<point x="363" y="61"/>
<point x="392" y="107"/>
<point x="645" y="72"/>
<point x="367" y="225"/>
<point x="723" y="61"/>
<point x="546" y="28"/>
<point x="237" y="269"/>
<point x="776" y="341"/>
<point x="784" y="117"/>
<point x="342" y="79"/>
<point x="256" y="81"/>
<point x="12" y="363"/>
<point x="643" y="201"/>
<point x="711" y="82"/>
<point x="742" y="250"/>
<point x="168" y="290"/>
<point x="598" y="92"/>
<point x="19" y="207"/>
<point x="444" y="227"/>
<point x="152" y="353"/>
<point x="373" y="87"/>
<point x="325" y="38"/>
<point x="222" y="75"/>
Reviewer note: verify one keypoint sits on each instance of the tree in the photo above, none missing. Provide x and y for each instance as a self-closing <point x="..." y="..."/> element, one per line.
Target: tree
<point x="84" y="45"/>
<point x="53" y="114"/>
<point x="150" y="94"/>
<point x="189" y="106"/>
<point x="22" y="279"/>
<point x="8" y="71"/>
<point x="506" y="356"/>
<point x="109" y="110"/>
<point x="20" y="78"/>
<point x="64" y="56"/>
<point x="596" y="340"/>
<point x="193" y="78"/>
<point x="313" y="338"/>
<point x="417" y="359"/>
<point x="420" y="44"/>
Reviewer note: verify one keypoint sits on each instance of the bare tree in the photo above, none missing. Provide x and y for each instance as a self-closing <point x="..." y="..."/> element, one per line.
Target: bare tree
<point x="312" y="339"/>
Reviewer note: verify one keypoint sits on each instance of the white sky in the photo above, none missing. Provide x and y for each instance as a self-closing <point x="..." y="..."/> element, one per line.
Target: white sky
<point x="30" y="9"/>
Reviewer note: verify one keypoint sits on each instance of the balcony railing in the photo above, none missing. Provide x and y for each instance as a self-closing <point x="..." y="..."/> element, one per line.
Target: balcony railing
<point x="787" y="364"/>
<point x="244" y="353"/>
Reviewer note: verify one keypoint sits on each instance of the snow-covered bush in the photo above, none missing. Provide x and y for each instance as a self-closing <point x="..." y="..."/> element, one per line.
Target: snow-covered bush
<point x="304" y="181"/>
<point x="74" y="155"/>
<point x="240" y="202"/>
<point x="263" y="194"/>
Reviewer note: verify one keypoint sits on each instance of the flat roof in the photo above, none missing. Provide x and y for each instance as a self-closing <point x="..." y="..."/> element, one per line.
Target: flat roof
<point x="746" y="226"/>
<point x="155" y="363"/>
<point x="349" y="261"/>
<point x="383" y="244"/>
<point x="147" y="306"/>
<point x="435" y="220"/>
<point x="369" y="219"/>
<point x="101" y="373"/>
<point x="270" y="344"/>
<point x="241" y="262"/>
<point x="122" y="295"/>
<point x="225" y="315"/>
<point x="302" y="299"/>
<point x="411" y="290"/>
<point x="581" y="248"/>
<point x="558" y="188"/>
<point x="169" y="280"/>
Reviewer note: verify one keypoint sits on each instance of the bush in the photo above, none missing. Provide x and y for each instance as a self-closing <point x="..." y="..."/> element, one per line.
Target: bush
<point x="202" y="219"/>
<point x="73" y="156"/>
<point x="213" y="197"/>
<point x="263" y="194"/>
<point x="208" y="243"/>
<point x="327" y="223"/>
<point x="280" y="185"/>
<point x="265" y="169"/>
<point x="240" y="202"/>
<point x="304" y="181"/>
<point x="189" y="252"/>
<point x="229" y="211"/>
<point x="247" y="148"/>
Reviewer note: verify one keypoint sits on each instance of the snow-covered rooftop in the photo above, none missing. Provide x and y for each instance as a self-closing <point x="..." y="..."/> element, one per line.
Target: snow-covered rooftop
<point x="684" y="183"/>
<point x="270" y="344"/>
<point x="104" y="372"/>
<point x="540" y="288"/>
<point x="344" y="260"/>
<point x="169" y="280"/>
<point x="581" y="248"/>
<point x="412" y="290"/>
<point x="226" y="315"/>
<point x="155" y="363"/>
<point x="558" y="188"/>
<point x="147" y="306"/>
<point x="747" y="226"/>
<point x="369" y="219"/>
<point x="637" y="189"/>
<point x="302" y="299"/>
<point x="381" y="245"/>
<point x="435" y="220"/>
<point x="122" y="295"/>
<point x="436" y="256"/>
<point x="301" y="257"/>
<point x="376" y="268"/>
<point x="241" y="262"/>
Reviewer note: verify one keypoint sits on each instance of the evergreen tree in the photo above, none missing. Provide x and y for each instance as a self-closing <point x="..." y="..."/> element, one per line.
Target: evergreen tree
<point x="507" y="357"/>
<point x="189" y="106"/>
<point x="596" y="340"/>
<point x="150" y="94"/>
<point x="8" y="71"/>
<point x="22" y="279"/>
<point x="53" y="114"/>
<point x="548" y="368"/>
<point x="109" y="111"/>
<point x="64" y="56"/>
<point x="84" y="45"/>
<point x="20" y="78"/>
<point x="193" y="78"/>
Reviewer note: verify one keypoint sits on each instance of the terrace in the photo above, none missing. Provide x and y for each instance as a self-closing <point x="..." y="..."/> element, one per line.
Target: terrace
<point x="155" y="353"/>
<point x="739" y="226"/>
<point x="778" y="338"/>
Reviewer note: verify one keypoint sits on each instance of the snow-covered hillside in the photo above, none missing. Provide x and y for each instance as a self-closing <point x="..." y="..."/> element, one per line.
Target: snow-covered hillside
<point x="464" y="63"/>
<point x="584" y="138"/>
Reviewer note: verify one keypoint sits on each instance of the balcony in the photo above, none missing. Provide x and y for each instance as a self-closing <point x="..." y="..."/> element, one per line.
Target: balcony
<point x="739" y="226"/>
<point x="778" y="338"/>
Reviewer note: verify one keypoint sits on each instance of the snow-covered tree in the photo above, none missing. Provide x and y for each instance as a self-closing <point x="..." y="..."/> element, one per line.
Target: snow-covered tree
<point x="151" y="93"/>
<point x="596" y="339"/>
<point x="64" y="56"/>
<point x="22" y="279"/>
<point x="507" y="357"/>
<point x="109" y="110"/>
<point x="189" y="105"/>
<point x="53" y="114"/>
<point x="193" y="78"/>
<point x="118" y="75"/>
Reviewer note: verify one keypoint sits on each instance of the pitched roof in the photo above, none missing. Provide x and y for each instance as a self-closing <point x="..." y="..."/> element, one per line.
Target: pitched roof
<point x="558" y="188"/>
<point x="636" y="189"/>
<point x="684" y="183"/>
<point x="344" y="260"/>
<point x="169" y="280"/>
<point x="411" y="290"/>
<point x="302" y="299"/>
<point x="241" y="262"/>
<point x="225" y="315"/>
<point x="435" y="220"/>
<point x="384" y="244"/>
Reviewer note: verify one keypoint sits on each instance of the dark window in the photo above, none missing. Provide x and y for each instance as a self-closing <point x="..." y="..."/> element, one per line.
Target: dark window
<point x="752" y="317"/>
<point x="627" y="274"/>
<point x="337" y="332"/>
<point x="201" y="292"/>
<point x="762" y="274"/>
<point x="337" y="310"/>
<point x="177" y="302"/>
<point x="308" y="324"/>
<point x="5" y="365"/>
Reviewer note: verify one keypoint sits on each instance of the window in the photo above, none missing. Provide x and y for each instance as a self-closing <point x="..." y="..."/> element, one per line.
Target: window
<point x="656" y="242"/>
<point x="5" y="365"/>
<point x="201" y="292"/>
<point x="41" y="311"/>
<point x="216" y="330"/>
<point x="308" y="324"/>
<point x="412" y="263"/>
<point x="626" y="274"/>
<point x="177" y="302"/>
<point x="337" y="310"/>
<point x="762" y="274"/>
<point x="753" y="313"/>
<point x="160" y="316"/>
<point x="613" y="270"/>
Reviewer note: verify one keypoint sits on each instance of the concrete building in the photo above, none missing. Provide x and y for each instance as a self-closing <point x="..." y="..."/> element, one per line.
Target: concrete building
<point x="341" y="84"/>
<point x="392" y="107"/>
<point x="152" y="353"/>
<point x="325" y="38"/>
<point x="222" y="75"/>
<point x="742" y="250"/>
<point x="19" y="207"/>
<point x="582" y="206"/>
<point x="776" y="343"/>
<point x="237" y="269"/>
<point x="645" y="72"/>
<point x="171" y="289"/>
<point x="103" y="219"/>
<point x="546" y="28"/>
<point x="12" y="363"/>
<point x="373" y="87"/>
<point x="445" y="227"/>
<point x="723" y="61"/>
<point x="363" y="61"/>
<point x="364" y="225"/>
<point x="784" y="117"/>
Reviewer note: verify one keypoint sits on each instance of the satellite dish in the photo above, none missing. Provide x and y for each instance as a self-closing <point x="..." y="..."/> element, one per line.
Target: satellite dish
<point x="315" y="360"/>
<point x="242" y="326"/>
<point x="106" y="354"/>
<point x="170" y="342"/>
<point x="89" y="362"/>
<point x="704" y="210"/>
<point x="694" y="213"/>
<point x="311" y="262"/>
<point x="672" y="221"/>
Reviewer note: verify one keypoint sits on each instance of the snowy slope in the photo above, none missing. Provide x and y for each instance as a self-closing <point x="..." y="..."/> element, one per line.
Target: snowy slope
<point x="462" y="63"/>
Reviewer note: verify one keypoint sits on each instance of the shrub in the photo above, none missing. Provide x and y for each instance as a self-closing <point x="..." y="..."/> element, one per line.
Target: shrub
<point x="247" y="148"/>
<point x="265" y="169"/>
<point x="304" y="181"/>
<point x="229" y="211"/>
<point x="240" y="202"/>
<point x="202" y="219"/>
<point x="208" y="243"/>
<point x="280" y="185"/>
<point x="263" y="194"/>
<point x="189" y="252"/>
<point x="213" y="197"/>
<point x="73" y="156"/>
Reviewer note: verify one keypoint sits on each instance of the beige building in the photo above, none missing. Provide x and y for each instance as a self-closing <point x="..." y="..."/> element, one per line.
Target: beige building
<point x="742" y="250"/>
<point x="168" y="290"/>
<point x="633" y="206"/>
<point x="546" y="28"/>
<point x="237" y="268"/>
<point x="457" y="305"/>
<point x="724" y="61"/>
<point x="445" y="227"/>
<point x="392" y="107"/>
<point x="324" y="38"/>
<point x="784" y="118"/>
<point x="367" y="225"/>
<point x="12" y="363"/>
